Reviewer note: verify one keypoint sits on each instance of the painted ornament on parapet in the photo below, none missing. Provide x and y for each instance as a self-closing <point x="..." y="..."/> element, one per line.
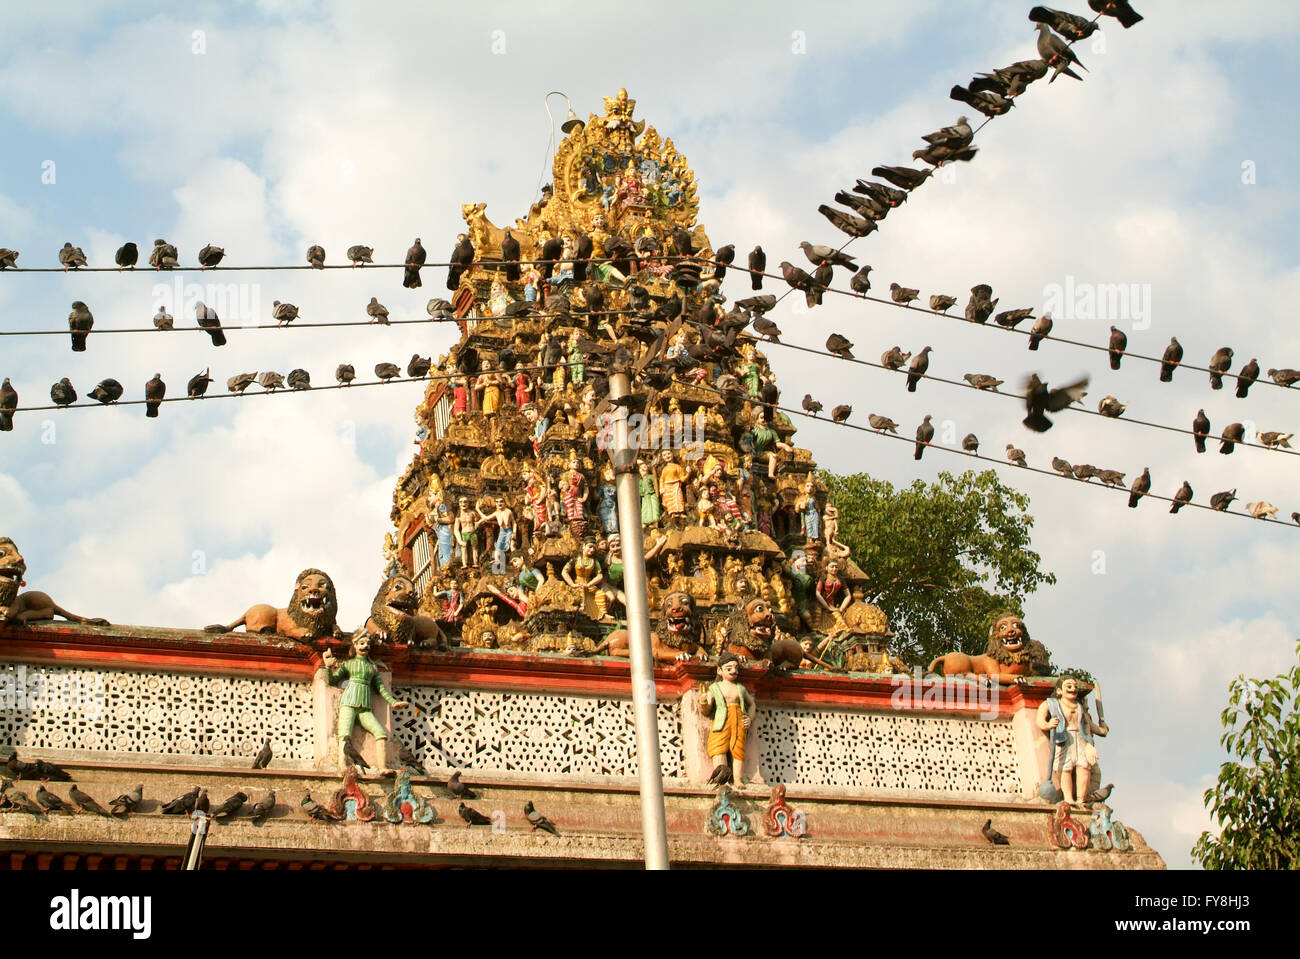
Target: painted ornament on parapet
<point x="310" y="616"/>
<point x="32" y="606"/>
<point x="725" y="819"/>
<point x="350" y="801"/>
<point x="1107" y="832"/>
<point x="781" y="819"/>
<point x="402" y="805"/>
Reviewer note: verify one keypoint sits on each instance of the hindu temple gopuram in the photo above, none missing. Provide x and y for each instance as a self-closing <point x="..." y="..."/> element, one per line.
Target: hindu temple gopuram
<point x="480" y="712"/>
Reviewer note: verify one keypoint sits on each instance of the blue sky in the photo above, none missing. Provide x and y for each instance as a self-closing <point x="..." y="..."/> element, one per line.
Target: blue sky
<point x="340" y="124"/>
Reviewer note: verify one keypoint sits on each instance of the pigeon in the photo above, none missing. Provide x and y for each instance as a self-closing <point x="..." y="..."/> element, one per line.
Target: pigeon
<point x="210" y="256"/>
<point x="987" y="102"/>
<point x="207" y="319"/>
<point x="229" y="807"/>
<point x="886" y="196"/>
<point x="1173" y="356"/>
<point x="906" y="178"/>
<point x="1109" y="406"/>
<point x="345" y="373"/>
<point x="991" y="834"/>
<point x="439" y="309"/>
<point x="198" y="384"/>
<point x="940" y="154"/>
<point x="472" y="816"/>
<point x="1262" y="509"/>
<point x="980" y="307"/>
<point x="841" y="413"/>
<point x="86" y="803"/>
<point x="924" y="434"/>
<point x="757" y="264"/>
<point x="71" y="256"/>
<point x="8" y="258"/>
<point x="796" y="278"/>
<point x="1117" y="344"/>
<point x="1219" y="363"/>
<point x="284" y="313"/>
<point x="1273" y="439"/>
<point x="1039" y="400"/>
<point x="414" y="261"/>
<point x="1084" y="471"/>
<point x="316" y="256"/>
<point x="550" y="253"/>
<point x="351" y="754"/>
<point x="240" y="382"/>
<point x="942" y="303"/>
<point x="1062" y="466"/>
<point x="263" y="757"/>
<point x="584" y="247"/>
<point x="419" y="366"/>
<point x="162" y="320"/>
<point x="299" y="379"/>
<point x="767" y="329"/>
<point x="182" y="805"/>
<point x="1110" y="477"/>
<point x="723" y="258"/>
<point x="1200" y="429"/>
<point x="264" y="807"/>
<point x="63" y="393"/>
<point x="894" y="358"/>
<point x="810" y="405"/>
<point x="408" y="758"/>
<point x="1069" y="25"/>
<point x="902" y="295"/>
<point x="49" y="801"/>
<point x="957" y="135"/>
<point x="882" y="423"/>
<point x="860" y="283"/>
<point x="19" y="801"/>
<point x="1284" y="377"/>
<point x="315" y="810"/>
<point x="127" y="256"/>
<point x="821" y="282"/>
<point x="387" y="371"/>
<point x="163" y="256"/>
<point x="682" y="244"/>
<point x="1182" y="497"/>
<point x="377" y="312"/>
<point x="107" y="391"/>
<point x="358" y="255"/>
<point x="1141" y="486"/>
<point x="459" y="789"/>
<point x="1041" y="329"/>
<point x="916" y="369"/>
<point x="847" y="222"/>
<point x="1296" y="517"/>
<point x="1247" y="377"/>
<point x="982" y="381"/>
<point x="1010" y="81"/>
<point x="271" y="381"/>
<point x="154" y="391"/>
<point x="1233" y="434"/>
<point x="840" y="346"/>
<point x="818" y="254"/>
<point x="127" y="803"/>
<point x="1008" y="319"/>
<point x="510" y="255"/>
<point x="869" y="207"/>
<point x="1219" y="501"/>
<point x="1121" y="10"/>
<point x="1016" y="456"/>
<point x="80" y="322"/>
<point x="971" y="443"/>
<point x="1057" y="53"/>
<point x="538" y="821"/>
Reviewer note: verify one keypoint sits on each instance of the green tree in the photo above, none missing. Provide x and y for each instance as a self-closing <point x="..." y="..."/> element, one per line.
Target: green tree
<point x="1257" y="800"/>
<point x="942" y="560"/>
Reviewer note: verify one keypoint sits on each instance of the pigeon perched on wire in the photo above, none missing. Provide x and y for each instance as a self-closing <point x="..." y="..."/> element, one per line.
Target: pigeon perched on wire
<point x="902" y="295"/>
<point x="1009" y="319"/>
<point x="869" y="207"/>
<point x="903" y="177"/>
<point x="419" y="366"/>
<point x="283" y="313"/>
<point x="1084" y="471"/>
<point x="345" y="373"/>
<point x="80" y="323"/>
<point x="810" y="405"/>
<point x="8" y="258"/>
<point x="126" y="257"/>
<point x="1274" y="439"/>
<point x="886" y="196"/>
<point x="1262" y="509"/>
<point x="982" y="381"/>
<point x="1069" y="25"/>
<point x="163" y="256"/>
<point x="387" y="371"/>
<point x="538" y="821"/>
<point x="1057" y="53"/>
<point x="210" y="256"/>
<point x="981" y="304"/>
<point x="1121" y="10"/>
<point x="1141" y="487"/>
<point x="71" y="257"/>
<point x="757" y="264"/>
<point x="767" y="329"/>
<point x="987" y="102"/>
<point x="1039" y="401"/>
<point x="924" y="434"/>
<point x="462" y="256"/>
<point x="1110" y="406"/>
<point x="1182" y="497"/>
<point x="917" y="368"/>
<point x="818" y="254"/>
<point x="154" y="392"/>
<point x="360" y="255"/>
<point x="841" y="413"/>
<point x="848" y="223"/>
<point x="1041" y="330"/>
<point x="240" y="382"/>
<point x="1284" y="377"/>
<point x="1173" y="357"/>
<point x="1112" y="478"/>
<point x="63" y="393"/>
<point x="127" y="803"/>
<point x="1219" y="501"/>
<point x="377" y="312"/>
<point x="894" y="358"/>
<point x="840" y="346"/>
<point x="1200" y="430"/>
<point x="107" y="391"/>
<point x="207" y="319"/>
<point x="439" y="309"/>
<point x="1247" y="377"/>
<point x="271" y="381"/>
<point x="1219" y="364"/>
<point x="1062" y="466"/>
<point x="882" y="424"/>
<point x="971" y="443"/>
<point x="415" y="257"/>
<point x="198" y="384"/>
<point x="162" y="320"/>
<point x="860" y="282"/>
<point x="316" y="257"/>
<point x="1016" y="456"/>
<point x="1010" y="81"/>
<point x="942" y="303"/>
<point x="1115" y="347"/>
<point x="1233" y="434"/>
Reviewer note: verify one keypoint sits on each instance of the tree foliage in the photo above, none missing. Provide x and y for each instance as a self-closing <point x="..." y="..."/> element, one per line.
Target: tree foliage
<point x="1257" y="800"/>
<point x="943" y="559"/>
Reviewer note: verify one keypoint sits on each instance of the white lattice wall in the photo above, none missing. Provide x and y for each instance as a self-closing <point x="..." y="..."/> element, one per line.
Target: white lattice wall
<point x="887" y="751"/>
<point x="532" y="733"/>
<point x="157" y="713"/>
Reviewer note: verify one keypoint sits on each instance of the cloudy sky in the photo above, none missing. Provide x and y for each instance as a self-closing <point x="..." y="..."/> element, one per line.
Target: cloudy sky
<point x="266" y="127"/>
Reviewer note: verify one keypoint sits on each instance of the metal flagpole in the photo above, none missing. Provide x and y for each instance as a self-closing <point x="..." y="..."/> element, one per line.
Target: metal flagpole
<point x="653" y="827"/>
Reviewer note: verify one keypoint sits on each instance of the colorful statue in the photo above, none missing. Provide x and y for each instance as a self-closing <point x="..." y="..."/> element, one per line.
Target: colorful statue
<point x="732" y="707"/>
<point x="498" y="298"/>
<point x="391" y="563"/>
<point x="676" y="634"/>
<point x="607" y="501"/>
<point x="442" y="530"/>
<point x="583" y="572"/>
<point x="363" y="680"/>
<point x="1011" y="656"/>
<point x="833" y="595"/>
<point x="645" y="484"/>
<point x="394" y="620"/>
<point x="672" y="480"/>
<point x="504" y="517"/>
<point x="310" y="615"/>
<point x="466" y="531"/>
<point x="1065" y="718"/>
<point x="574" y="487"/>
<point x="532" y="283"/>
<point x="31" y="606"/>
<point x="460" y="395"/>
<point x="809" y="516"/>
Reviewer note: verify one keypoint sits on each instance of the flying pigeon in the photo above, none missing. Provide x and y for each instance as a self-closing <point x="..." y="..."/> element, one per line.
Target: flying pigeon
<point x="810" y="405"/>
<point x="80" y="322"/>
<point x="154" y="392"/>
<point x="894" y="358"/>
<point x="757" y="264"/>
<point x="924" y="434"/>
<point x="882" y="424"/>
<point x="1219" y="501"/>
<point x="71" y="256"/>
<point x="62" y="393"/>
<point x="414" y="260"/>
<point x="1182" y="497"/>
<point x="1219" y="363"/>
<point x="1041" y="329"/>
<point x="1121" y="10"/>
<point x="841" y="413"/>
<point x="316" y="256"/>
<point x="198" y="384"/>
<point x="345" y="373"/>
<point x="1141" y="486"/>
<point x="359" y="255"/>
<point x="1233" y="434"/>
<point x="942" y="303"/>
<point x="207" y="319"/>
<point x="1039" y="401"/>
<point x="127" y="255"/>
<point x="1057" y="53"/>
<point x="840" y="346"/>
<point x="210" y="256"/>
<point x="107" y="391"/>
<point x="377" y="312"/>
<point x="1109" y="406"/>
<point x="1118" y="343"/>
<point x="1016" y="456"/>
<point x="902" y="295"/>
<point x="163" y="256"/>
<point x="283" y="313"/>
<point x="916" y="369"/>
<point x="971" y="443"/>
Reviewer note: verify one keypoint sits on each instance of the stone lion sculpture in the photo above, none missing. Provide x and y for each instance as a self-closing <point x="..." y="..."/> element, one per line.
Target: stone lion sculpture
<point x="311" y="614"/>
<point x="755" y="636"/>
<point x="676" y="636"/>
<point x="1011" y="655"/>
<point x="394" y="620"/>
<point x="32" y="606"/>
